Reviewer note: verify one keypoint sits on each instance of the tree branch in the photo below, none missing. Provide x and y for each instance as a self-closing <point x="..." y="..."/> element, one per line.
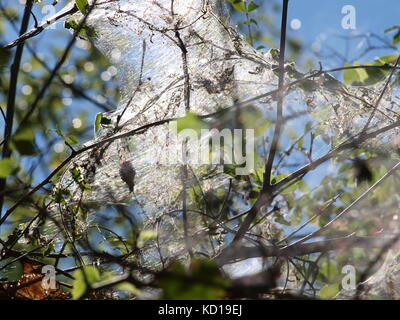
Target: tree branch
<point x="239" y="252"/>
<point x="68" y="10"/>
<point x="266" y="194"/>
<point x="14" y="71"/>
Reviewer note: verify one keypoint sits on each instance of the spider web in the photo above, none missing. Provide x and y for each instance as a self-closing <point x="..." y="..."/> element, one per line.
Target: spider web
<point x="143" y="39"/>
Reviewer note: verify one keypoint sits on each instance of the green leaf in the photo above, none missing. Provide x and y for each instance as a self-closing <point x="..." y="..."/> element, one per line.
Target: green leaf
<point x="77" y="177"/>
<point x="25" y="133"/>
<point x="24" y="147"/>
<point x="329" y="272"/>
<point x="12" y="272"/>
<point x="60" y="195"/>
<point x="250" y="22"/>
<point x="97" y="122"/>
<point x="191" y="121"/>
<point x="254" y="119"/>
<point x="23" y="141"/>
<point x="300" y="143"/>
<point x="362" y="76"/>
<point x="79" y="288"/>
<point x="145" y="236"/>
<point x="8" y="167"/>
<point x="203" y="282"/>
<point x="120" y="244"/>
<point x="230" y="169"/>
<point x="279" y="218"/>
<point x="59" y="132"/>
<point x="252" y="6"/>
<point x="392" y="29"/>
<point x="258" y="175"/>
<point x="387" y="59"/>
<point x="50" y="249"/>
<point x="354" y="76"/>
<point x="85" y="31"/>
<point x="274" y="54"/>
<point x="76" y="174"/>
<point x="329" y="291"/>
<point x="128" y="287"/>
<point x="72" y="140"/>
<point x="308" y="127"/>
<point x="68" y="139"/>
<point x="238" y="5"/>
<point x="82" y="5"/>
<point x="396" y="38"/>
<point x="90" y="273"/>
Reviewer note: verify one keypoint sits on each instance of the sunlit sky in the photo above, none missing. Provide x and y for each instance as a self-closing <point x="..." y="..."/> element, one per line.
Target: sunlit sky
<point x="321" y="25"/>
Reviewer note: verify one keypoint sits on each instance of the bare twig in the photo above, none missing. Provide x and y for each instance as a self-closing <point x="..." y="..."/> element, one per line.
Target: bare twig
<point x="68" y="10"/>
<point x="348" y="208"/>
<point x="381" y="95"/>
<point x="239" y="252"/>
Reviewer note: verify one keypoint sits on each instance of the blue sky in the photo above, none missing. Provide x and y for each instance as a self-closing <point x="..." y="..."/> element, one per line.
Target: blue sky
<point x="323" y="18"/>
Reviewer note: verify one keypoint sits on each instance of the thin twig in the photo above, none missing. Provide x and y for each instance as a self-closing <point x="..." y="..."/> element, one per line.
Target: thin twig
<point x="68" y="10"/>
<point x="348" y="208"/>
<point x="381" y="95"/>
